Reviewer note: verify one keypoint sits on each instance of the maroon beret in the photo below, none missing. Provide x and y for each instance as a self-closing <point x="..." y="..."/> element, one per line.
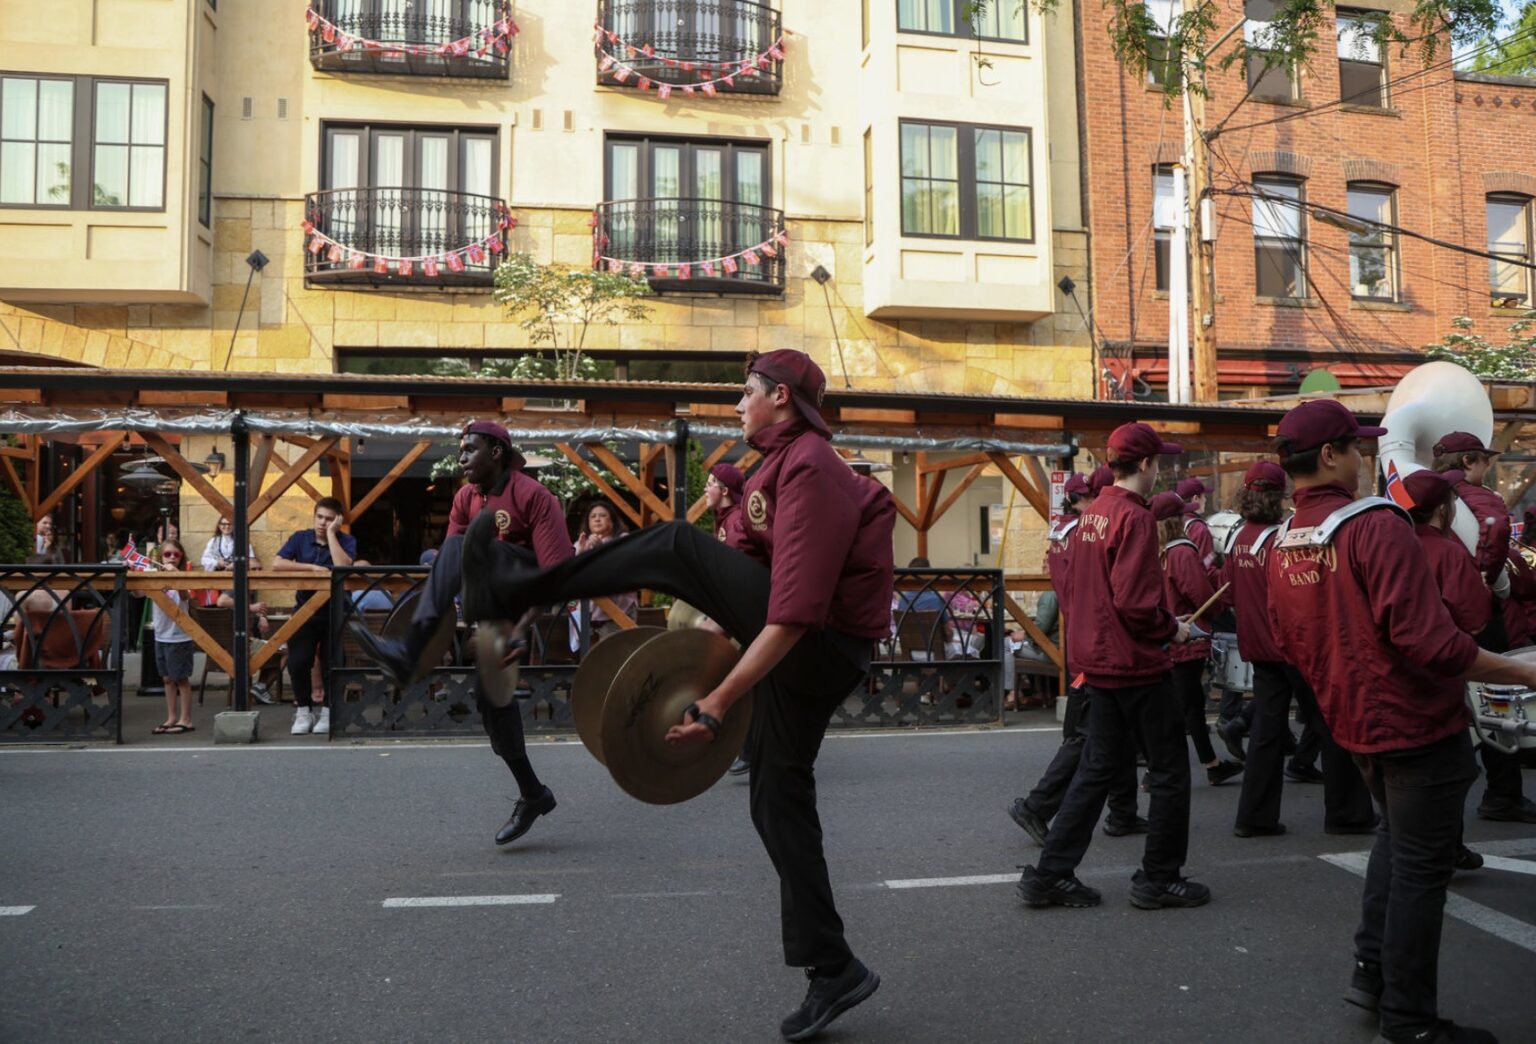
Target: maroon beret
<point x="1100" y="478"/>
<point x="1137" y="441"/>
<point x="1265" y="476"/>
<point x="1429" y="489"/>
<point x="1191" y="488"/>
<point x="1321" y="421"/>
<point x="1462" y="442"/>
<point x="1076" y="485"/>
<point x="797" y="371"/>
<point x="1166" y="504"/>
<point x="729" y="476"/>
<point x="492" y="430"/>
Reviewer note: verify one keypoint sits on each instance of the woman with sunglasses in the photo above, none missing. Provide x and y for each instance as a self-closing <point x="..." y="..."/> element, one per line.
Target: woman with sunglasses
<point x="220" y="552"/>
<point x="173" y="648"/>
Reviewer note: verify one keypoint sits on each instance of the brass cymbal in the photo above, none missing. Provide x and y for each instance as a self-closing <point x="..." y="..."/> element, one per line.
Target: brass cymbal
<point x="647" y="698"/>
<point x="498" y="680"/>
<point x="589" y="689"/>
<point x="398" y="625"/>
<point x="683" y="616"/>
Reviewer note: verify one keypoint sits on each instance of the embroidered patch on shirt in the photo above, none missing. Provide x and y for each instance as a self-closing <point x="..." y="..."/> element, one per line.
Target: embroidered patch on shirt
<point x="503" y="521"/>
<point x="757" y="509"/>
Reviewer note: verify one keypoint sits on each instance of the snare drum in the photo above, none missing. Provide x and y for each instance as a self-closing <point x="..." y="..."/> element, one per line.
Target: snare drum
<point x="1228" y="669"/>
<point x="1505" y="715"/>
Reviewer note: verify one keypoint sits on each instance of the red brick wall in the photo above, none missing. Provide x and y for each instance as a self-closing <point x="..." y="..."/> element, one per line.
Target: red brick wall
<point x="1439" y="139"/>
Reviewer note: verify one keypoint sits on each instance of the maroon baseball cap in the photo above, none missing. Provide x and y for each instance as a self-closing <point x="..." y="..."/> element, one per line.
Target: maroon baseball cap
<point x="1462" y="442"/>
<point x="729" y="476"/>
<point x="1429" y="489"/>
<point x="1191" y="488"/>
<point x="1166" y="504"/>
<point x="1318" y="422"/>
<point x="1265" y="476"/>
<point x="1137" y="441"/>
<point x="1100" y="478"/>
<point x="807" y="384"/>
<point x="492" y="430"/>
<point x="1077" y="485"/>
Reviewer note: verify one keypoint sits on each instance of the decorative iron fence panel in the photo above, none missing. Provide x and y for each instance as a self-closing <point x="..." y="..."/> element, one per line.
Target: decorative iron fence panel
<point x="414" y="37"/>
<point x="61" y="669"/>
<point x="693" y="41"/>
<point x="686" y="231"/>
<point x="404" y="223"/>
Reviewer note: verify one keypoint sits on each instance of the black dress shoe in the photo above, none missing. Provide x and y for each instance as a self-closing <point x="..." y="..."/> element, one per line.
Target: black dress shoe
<point x="1365" y="986"/>
<point x="478" y="597"/>
<point x="1117" y="828"/>
<point x="828" y="997"/>
<point x="390" y="654"/>
<point x="1222" y="771"/>
<point x="524" y="812"/>
<point x="1443" y="1031"/>
<point x="1231" y="731"/>
<point x="1026" y="817"/>
<point x="1346" y="829"/>
<point x="1259" y="831"/>
<point x="1302" y="773"/>
<point x="1466" y="859"/>
<point x="1524" y="812"/>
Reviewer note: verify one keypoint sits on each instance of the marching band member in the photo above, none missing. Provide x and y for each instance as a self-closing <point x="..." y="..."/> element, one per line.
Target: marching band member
<point x="723" y="492"/>
<point x="806" y="589"/>
<point x="1354" y="607"/>
<point x="1346" y="802"/>
<point x="1117" y="631"/>
<point x="1192" y="492"/>
<point x="1034" y="813"/>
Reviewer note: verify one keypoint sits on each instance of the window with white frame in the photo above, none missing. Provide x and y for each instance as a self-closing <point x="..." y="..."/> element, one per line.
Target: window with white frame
<point x="1510" y="235"/>
<point x="1373" y="249"/>
<point x="36" y="141"/>
<point x="128" y="156"/>
<point x="1362" y="68"/>
<point x="1267" y="81"/>
<point x="1165" y="214"/>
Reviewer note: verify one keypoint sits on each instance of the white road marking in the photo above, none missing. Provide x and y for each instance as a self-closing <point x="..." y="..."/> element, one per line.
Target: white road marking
<point x="1460" y="907"/>
<point x="15" y="911"/>
<point x="953" y="882"/>
<point x="469" y="900"/>
<point x="1514" y="866"/>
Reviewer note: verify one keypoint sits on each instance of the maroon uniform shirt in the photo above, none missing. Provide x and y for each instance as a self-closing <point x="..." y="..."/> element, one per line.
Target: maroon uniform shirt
<point x="1493" y="530"/>
<point x="1245" y="569"/>
<point x="1200" y="535"/>
<point x="527" y="514"/>
<point x="823" y="531"/>
<point x="1518" y="620"/>
<point x="1187" y="586"/>
<point x="1363" y="622"/>
<point x="1461" y="586"/>
<point x="724" y="518"/>
<point x="1119" y="621"/>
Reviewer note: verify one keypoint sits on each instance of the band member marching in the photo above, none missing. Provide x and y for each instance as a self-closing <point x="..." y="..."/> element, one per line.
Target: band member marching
<point x="1355" y="608"/>
<point x="723" y="492"/>
<point x="806" y="590"/>
<point x="1192" y="492"/>
<point x="529" y="527"/>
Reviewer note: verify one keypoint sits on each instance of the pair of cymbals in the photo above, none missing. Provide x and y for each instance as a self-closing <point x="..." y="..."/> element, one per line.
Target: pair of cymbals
<point x="632" y="687"/>
<point x="398" y="625"/>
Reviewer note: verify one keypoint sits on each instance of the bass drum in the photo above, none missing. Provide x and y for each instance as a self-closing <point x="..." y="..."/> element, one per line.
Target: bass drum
<point x="1224" y="525"/>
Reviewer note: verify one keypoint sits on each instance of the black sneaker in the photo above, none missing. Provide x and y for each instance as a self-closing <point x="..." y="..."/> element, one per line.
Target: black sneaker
<point x="524" y="812"/>
<point x="1038" y="889"/>
<point x="827" y="998"/>
<point x="1466" y="859"/>
<point x="1443" y="1032"/>
<point x="1033" y="825"/>
<point x="389" y="654"/>
<point x="1117" y="828"/>
<point x="1222" y="771"/>
<point x="1147" y="894"/>
<point x="1347" y="829"/>
<point x="1522" y="812"/>
<point x="1231" y="731"/>
<point x="740" y="767"/>
<point x="1365" y="986"/>
<point x="1298" y="773"/>
<point x="1259" y="831"/>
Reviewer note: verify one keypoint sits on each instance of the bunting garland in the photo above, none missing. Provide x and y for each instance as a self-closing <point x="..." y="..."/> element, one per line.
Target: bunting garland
<point x="613" y="51"/>
<point x="429" y="265"/>
<point x="495" y="38"/>
<point x="727" y="264"/>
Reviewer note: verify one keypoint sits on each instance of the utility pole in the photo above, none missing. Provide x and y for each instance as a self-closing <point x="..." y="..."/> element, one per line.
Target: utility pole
<point x="1202" y="243"/>
<point x="1178" y="291"/>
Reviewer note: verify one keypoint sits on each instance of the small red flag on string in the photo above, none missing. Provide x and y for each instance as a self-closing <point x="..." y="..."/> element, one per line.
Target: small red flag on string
<point x="776" y="52"/>
<point x="670" y="62"/>
<point x="615" y="267"/>
<point x="623" y="73"/>
<point x="316" y="244"/>
<point x="311" y="19"/>
<point x="770" y="250"/>
<point x="494" y="245"/>
<point x="729" y="264"/>
<point x="455" y="262"/>
<point x="357" y="261"/>
<point x="708" y="269"/>
<point x="405" y="267"/>
<point x="664" y="91"/>
<point x="380" y="266"/>
<point x="475" y="252"/>
<point x="613" y="37"/>
<point x="429" y="267"/>
<point x="648" y="51"/>
<point x="763" y="61"/>
<point x="729" y="81"/>
<point x="782" y="236"/>
<point x="687" y="67"/>
<point x="328" y="33"/>
<point x="344" y="42"/>
<point x="335" y="254"/>
<point x="308" y="226"/>
<point x="636" y="270"/>
<point x="708" y="87"/>
<point x="643" y="83"/>
<point x="606" y="64"/>
<point x="684" y="272"/>
<point x="688" y="91"/>
<point x="750" y="257"/>
<point x="630" y="51"/>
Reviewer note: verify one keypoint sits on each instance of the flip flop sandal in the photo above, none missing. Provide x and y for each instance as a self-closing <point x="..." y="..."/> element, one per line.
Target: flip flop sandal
<point x="176" y="730"/>
<point x="161" y="730"/>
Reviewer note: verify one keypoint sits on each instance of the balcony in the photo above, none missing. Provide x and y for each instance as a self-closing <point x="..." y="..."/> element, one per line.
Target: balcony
<point x="469" y="39"/>
<point x="690" y="48"/>
<point x="403" y="237"/>
<point x="693" y="245"/>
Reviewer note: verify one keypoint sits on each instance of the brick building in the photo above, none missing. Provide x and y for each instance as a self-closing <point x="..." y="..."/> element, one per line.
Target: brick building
<point x="1358" y="130"/>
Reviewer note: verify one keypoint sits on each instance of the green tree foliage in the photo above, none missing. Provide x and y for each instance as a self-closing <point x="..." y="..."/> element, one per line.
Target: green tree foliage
<point x="1513" y="52"/>
<point x="15" y="529"/>
<point x="1514" y="360"/>
<point x="556" y="305"/>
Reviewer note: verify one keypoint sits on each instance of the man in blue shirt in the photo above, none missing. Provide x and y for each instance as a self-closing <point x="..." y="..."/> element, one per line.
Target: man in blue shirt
<point x="313" y="551"/>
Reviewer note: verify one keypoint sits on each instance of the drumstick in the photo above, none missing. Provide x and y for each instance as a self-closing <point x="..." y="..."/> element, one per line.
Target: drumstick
<point x="1210" y="601"/>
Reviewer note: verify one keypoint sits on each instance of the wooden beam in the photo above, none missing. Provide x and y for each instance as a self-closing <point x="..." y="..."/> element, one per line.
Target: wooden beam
<point x="308" y="487"/>
<point x="925" y="514"/>
<point x="1505" y="437"/>
<point x="291" y="474"/>
<point x="264" y="444"/>
<point x="611" y="461"/>
<point x="615" y="614"/>
<point x="904" y="511"/>
<point x="22" y="492"/>
<point x="1037" y="472"/>
<point x="596" y="478"/>
<point x="958" y="492"/>
<point x="205" y="641"/>
<point x="411" y="456"/>
<point x="1036" y="498"/>
<point x="925" y="468"/>
<point x="717" y="455"/>
<point x="190" y="475"/>
<point x="341" y="483"/>
<point x="79" y="475"/>
<point x="299" y="618"/>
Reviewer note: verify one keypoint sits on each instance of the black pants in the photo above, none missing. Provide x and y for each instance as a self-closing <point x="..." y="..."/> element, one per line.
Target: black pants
<point x="1045" y="800"/>
<point x="1186" y="682"/>
<point x="791" y="707"/>
<point x="1308" y="745"/>
<point x="1346" y="802"/>
<point x="313" y="639"/>
<point x="1117" y="718"/>
<point x="503" y="725"/>
<point x="1421" y="793"/>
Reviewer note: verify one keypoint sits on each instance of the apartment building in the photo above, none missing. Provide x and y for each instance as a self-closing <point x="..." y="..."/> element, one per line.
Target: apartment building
<point x="1297" y="157"/>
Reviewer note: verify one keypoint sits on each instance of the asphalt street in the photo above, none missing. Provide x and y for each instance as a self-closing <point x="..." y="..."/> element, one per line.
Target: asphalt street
<point x="278" y="892"/>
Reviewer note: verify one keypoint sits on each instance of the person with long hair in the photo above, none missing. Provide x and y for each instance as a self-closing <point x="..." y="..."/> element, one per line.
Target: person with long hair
<point x="600" y="523"/>
<point x="173" y="646"/>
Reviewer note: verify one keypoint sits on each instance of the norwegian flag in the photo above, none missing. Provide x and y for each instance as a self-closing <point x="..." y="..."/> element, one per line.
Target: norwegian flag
<point x="316" y="244"/>
<point x="335" y="254"/>
<point x="1515" y="530"/>
<point x="135" y="561"/>
<point x="1396" y="489"/>
<point x="380" y="266"/>
<point x="475" y="252"/>
<point x="405" y="266"/>
<point x="729" y="264"/>
<point x="429" y="267"/>
<point x="708" y="88"/>
<point x="664" y="91"/>
<point x="455" y="262"/>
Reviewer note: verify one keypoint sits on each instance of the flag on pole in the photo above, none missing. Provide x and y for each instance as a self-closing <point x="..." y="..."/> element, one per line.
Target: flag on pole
<point x="135" y="561"/>
<point x="1396" y="489"/>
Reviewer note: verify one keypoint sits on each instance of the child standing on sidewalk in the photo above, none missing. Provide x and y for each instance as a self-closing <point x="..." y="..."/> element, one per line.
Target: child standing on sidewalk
<point x="173" y="649"/>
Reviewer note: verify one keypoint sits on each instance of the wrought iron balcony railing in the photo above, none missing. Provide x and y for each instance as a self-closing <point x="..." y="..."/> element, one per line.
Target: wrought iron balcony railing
<point x="690" y="43"/>
<point x="720" y="241"/>
<point x="444" y="238"/>
<point x="463" y="38"/>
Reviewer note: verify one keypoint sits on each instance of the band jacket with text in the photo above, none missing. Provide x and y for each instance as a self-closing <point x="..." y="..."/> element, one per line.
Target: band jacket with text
<point x="824" y="532"/>
<point x="1361" y="619"/>
<point x="1200" y="533"/>
<point x="527" y="515"/>
<point x="1244" y="568"/>
<point x="1493" y="528"/>
<point x="725" y="519"/>
<point x="1187" y="586"/>
<point x="1119" y="620"/>
<point x="1058" y="566"/>
<point x="1461" y="586"/>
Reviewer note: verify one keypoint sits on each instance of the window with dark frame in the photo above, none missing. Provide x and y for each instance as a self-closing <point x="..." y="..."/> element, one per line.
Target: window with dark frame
<point x="1511" y="233"/>
<point x="1165" y="215"/>
<point x="966" y="181"/>
<point x="205" y="167"/>
<point x="128" y="151"/>
<point x="1002" y="20"/>
<point x="36" y="141"/>
<point x="1279" y="237"/>
<point x="1373" y="252"/>
<point x="1266" y="80"/>
<point x="1362" y="64"/>
<point x="869" y="187"/>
